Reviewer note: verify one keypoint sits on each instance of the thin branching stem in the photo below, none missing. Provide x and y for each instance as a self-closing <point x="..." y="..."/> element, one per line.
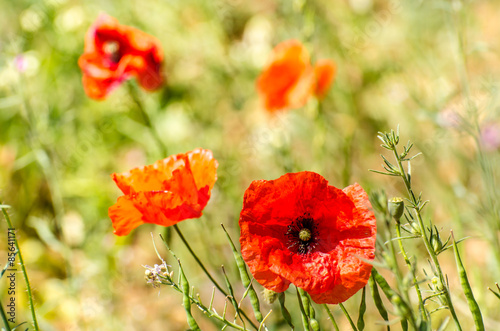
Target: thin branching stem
<point x="202" y="266"/>
<point x="25" y="273"/>
<point x="423" y="312"/>
<point x="4" y="318"/>
<point x="208" y="311"/>
<point x="417" y="209"/>
<point x="147" y="120"/>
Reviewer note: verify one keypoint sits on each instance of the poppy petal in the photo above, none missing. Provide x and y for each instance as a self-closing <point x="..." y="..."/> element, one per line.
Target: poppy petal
<point x="137" y="54"/>
<point x="341" y="226"/>
<point x="288" y="79"/>
<point x="165" y="192"/>
<point x="324" y="71"/>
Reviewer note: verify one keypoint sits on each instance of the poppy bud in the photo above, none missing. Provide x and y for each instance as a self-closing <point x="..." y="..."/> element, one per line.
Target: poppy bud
<point x="396" y="207"/>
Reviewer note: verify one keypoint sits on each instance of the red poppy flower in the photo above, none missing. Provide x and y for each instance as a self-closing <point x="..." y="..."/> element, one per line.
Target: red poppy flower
<point x="325" y="71"/>
<point x="297" y="229"/>
<point x="114" y="53"/>
<point x="164" y="193"/>
<point x="288" y="79"/>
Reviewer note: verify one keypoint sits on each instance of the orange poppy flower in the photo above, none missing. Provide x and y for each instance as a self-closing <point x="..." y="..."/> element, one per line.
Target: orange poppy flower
<point x="288" y="79"/>
<point x="298" y="229"/>
<point x="324" y="71"/>
<point x="164" y="193"/>
<point x="114" y="53"/>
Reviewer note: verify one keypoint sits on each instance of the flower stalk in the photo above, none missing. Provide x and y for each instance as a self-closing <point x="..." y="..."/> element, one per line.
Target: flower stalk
<point x="23" y="269"/>
<point x="390" y="141"/>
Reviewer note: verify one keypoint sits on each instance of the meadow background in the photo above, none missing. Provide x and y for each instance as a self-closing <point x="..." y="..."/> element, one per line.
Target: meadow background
<point x="432" y="67"/>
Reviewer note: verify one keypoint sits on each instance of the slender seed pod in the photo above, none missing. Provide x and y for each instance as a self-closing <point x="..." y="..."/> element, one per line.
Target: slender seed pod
<point x="362" y="310"/>
<point x="284" y="311"/>
<point x="186" y="301"/>
<point x="231" y="294"/>
<point x="388" y="291"/>
<point x="303" y="312"/>
<point x="377" y="299"/>
<point x="306" y="303"/>
<point x="314" y="324"/>
<point x="245" y="279"/>
<point x="464" y="281"/>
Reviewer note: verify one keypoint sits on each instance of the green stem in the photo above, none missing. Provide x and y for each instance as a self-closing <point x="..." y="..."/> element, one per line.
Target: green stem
<point x="4" y="318"/>
<point x="399" y="276"/>
<point x="44" y="160"/>
<point x="348" y="317"/>
<point x="205" y="309"/>
<point x="336" y="327"/>
<point x="425" y="238"/>
<point x="147" y="120"/>
<point x="423" y="312"/>
<point x="25" y="273"/>
<point x="176" y="228"/>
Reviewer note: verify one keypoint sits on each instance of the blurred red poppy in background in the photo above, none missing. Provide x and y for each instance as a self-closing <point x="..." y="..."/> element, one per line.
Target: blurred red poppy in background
<point x="164" y="193"/>
<point x="324" y="71"/>
<point x="297" y="229"/>
<point x="289" y="79"/>
<point x="114" y="53"/>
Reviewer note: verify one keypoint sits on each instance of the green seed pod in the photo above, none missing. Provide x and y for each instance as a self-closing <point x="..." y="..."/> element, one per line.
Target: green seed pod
<point x="396" y="207"/>
<point x="314" y="324"/>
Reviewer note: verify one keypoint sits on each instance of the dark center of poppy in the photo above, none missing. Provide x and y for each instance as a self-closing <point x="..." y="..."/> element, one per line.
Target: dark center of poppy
<point x="112" y="49"/>
<point x="302" y="235"/>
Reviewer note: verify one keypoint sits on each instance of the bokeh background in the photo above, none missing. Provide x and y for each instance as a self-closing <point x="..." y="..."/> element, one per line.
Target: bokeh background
<point x="430" y="66"/>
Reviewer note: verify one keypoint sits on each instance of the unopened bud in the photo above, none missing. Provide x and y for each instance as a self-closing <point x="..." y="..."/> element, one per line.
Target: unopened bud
<point x="436" y="242"/>
<point x="396" y="207"/>
<point x="437" y="284"/>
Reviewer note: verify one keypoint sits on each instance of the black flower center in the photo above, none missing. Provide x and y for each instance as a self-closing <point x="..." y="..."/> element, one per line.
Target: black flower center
<point x="112" y="49"/>
<point x="302" y="235"/>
